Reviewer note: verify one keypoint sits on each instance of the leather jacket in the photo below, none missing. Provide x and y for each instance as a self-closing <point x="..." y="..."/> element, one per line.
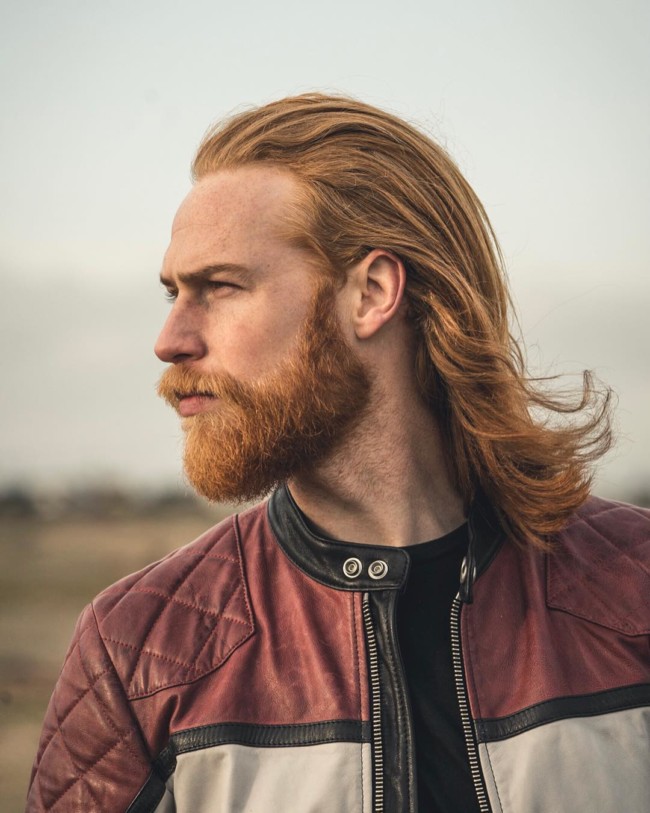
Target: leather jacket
<point x="257" y="669"/>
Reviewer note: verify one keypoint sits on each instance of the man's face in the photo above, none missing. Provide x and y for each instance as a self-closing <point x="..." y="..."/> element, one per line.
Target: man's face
<point x="261" y="374"/>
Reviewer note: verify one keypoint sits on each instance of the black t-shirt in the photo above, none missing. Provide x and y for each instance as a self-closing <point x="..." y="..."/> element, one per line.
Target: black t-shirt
<point x="423" y="623"/>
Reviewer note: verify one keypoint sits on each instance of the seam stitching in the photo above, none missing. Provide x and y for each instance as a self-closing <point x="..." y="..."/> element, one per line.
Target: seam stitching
<point x="195" y="668"/>
<point x="108" y="719"/>
<point x="69" y="712"/>
<point x="183" y="578"/>
<point x="188" y="604"/>
<point x="90" y="768"/>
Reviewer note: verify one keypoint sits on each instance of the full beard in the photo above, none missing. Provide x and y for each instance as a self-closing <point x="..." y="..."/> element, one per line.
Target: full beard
<point x="261" y="434"/>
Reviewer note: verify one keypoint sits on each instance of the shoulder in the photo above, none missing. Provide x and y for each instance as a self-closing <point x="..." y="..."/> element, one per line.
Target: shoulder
<point x="600" y="566"/>
<point x="180" y="618"/>
<point x="609" y="524"/>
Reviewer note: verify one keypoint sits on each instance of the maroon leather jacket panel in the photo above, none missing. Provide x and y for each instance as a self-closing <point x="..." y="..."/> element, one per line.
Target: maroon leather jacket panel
<point x="595" y="584"/>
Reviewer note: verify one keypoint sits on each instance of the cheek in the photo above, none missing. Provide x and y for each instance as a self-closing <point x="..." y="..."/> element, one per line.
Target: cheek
<point x="251" y="347"/>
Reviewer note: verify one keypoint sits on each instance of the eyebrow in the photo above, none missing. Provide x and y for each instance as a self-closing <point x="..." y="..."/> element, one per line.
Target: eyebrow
<point x="200" y="274"/>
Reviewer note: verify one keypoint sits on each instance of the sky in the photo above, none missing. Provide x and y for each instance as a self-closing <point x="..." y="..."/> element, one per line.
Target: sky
<point x="544" y="106"/>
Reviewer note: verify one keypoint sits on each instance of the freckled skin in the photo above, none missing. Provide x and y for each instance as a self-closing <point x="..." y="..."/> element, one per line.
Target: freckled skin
<point x="243" y="323"/>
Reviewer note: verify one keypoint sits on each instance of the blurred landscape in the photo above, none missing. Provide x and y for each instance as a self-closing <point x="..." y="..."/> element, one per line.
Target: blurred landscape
<point x="57" y="551"/>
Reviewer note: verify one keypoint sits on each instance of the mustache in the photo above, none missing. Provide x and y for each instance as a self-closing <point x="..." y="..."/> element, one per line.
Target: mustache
<point x="178" y="382"/>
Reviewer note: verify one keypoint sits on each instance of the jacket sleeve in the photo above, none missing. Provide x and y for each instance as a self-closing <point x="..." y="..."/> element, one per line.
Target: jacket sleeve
<point x="92" y="755"/>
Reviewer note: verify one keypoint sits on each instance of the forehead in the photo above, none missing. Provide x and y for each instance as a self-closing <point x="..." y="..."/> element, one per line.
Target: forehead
<point x="232" y="210"/>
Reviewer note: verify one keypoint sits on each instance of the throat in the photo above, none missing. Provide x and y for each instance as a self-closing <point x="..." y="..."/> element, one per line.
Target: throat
<point x="393" y="494"/>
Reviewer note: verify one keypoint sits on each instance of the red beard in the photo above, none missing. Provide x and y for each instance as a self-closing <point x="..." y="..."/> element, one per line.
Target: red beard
<point x="262" y="433"/>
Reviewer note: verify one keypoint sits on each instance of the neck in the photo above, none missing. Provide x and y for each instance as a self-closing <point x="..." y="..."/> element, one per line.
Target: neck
<point x="384" y="488"/>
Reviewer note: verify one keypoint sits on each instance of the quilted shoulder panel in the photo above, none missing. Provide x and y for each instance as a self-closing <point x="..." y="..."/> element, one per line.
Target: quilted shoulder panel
<point x="600" y="570"/>
<point x="180" y="618"/>
<point x="91" y="754"/>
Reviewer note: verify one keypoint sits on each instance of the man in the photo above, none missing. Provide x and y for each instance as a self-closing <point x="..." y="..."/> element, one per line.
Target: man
<point x="339" y="336"/>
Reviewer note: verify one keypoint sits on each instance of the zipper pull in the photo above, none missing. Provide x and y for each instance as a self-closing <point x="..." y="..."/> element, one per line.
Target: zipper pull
<point x="467" y="576"/>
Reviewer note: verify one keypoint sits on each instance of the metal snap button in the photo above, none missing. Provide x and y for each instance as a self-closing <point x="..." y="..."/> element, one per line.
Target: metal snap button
<point x="352" y="567"/>
<point x="378" y="569"/>
<point x="463" y="570"/>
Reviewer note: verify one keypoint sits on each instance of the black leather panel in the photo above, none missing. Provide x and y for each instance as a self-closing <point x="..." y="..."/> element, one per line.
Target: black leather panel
<point x="149" y="797"/>
<point x="323" y="559"/>
<point x="400" y="786"/>
<point x="270" y="736"/>
<point x="485" y="538"/>
<point x="562" y="708"/>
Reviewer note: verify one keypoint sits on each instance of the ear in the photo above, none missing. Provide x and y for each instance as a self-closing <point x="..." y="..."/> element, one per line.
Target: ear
<point x="380" y="281"/>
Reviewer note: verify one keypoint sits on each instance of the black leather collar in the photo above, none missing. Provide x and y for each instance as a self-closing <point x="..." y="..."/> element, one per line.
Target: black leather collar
<point x="349" y="565"/>
<point x="342" y="565"/>
<point x="485" y="538"/>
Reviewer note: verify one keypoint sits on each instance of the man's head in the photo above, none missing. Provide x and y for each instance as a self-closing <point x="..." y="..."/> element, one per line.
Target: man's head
<point x="261" y="372"/>
<point x="368" y="180"/>
<point x="366" y="186"/>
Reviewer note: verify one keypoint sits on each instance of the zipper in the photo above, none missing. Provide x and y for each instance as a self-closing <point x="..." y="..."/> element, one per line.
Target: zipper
<point x="461" y="691"/>
<point x="375" y="699"/>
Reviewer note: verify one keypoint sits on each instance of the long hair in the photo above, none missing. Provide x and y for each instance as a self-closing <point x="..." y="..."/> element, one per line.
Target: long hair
<point x="369" y="180"/>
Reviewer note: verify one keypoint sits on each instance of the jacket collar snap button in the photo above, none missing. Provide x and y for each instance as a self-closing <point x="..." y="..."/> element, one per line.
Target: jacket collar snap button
<point x="378" y="569"/>
<point x="352" y="567"/>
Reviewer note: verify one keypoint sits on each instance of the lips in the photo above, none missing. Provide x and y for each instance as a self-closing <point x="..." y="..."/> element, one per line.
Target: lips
<point x="191" y="403"/>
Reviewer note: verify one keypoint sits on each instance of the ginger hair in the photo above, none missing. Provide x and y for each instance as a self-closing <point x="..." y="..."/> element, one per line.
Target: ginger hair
<point x="370" y="180"/>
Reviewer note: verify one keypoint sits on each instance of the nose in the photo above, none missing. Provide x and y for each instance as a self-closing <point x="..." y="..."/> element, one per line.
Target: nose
<point x="180" y="339"/>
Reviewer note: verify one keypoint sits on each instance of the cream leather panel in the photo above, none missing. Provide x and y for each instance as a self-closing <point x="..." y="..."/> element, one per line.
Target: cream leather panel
<point x="595" y="764"/>
<point x="328" y="778"/>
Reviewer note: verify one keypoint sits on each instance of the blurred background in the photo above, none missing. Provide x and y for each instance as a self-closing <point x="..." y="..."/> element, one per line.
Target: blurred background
<point x="543" y="105"/>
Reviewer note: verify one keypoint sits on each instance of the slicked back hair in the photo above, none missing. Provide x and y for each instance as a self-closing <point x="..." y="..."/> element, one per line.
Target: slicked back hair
<point x="369" y="180"/>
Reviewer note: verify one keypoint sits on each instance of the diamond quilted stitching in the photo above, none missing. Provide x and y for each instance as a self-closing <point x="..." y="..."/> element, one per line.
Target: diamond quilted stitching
<point x="197" y="666"/>
<point x="74" y="684"/>
<point x="201" y="641"/>
<point x="83" y="726"/>
<point x="187" y="604"/>
<point x="612" y="538"/>
<point x="191" y="612"/>
<point x="206" y="627"/>
<point x="83" y="777"/>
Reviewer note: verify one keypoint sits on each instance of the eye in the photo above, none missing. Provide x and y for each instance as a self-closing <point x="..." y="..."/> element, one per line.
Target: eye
<point x="170" y="294"/>
<point x="219" y="284"/>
